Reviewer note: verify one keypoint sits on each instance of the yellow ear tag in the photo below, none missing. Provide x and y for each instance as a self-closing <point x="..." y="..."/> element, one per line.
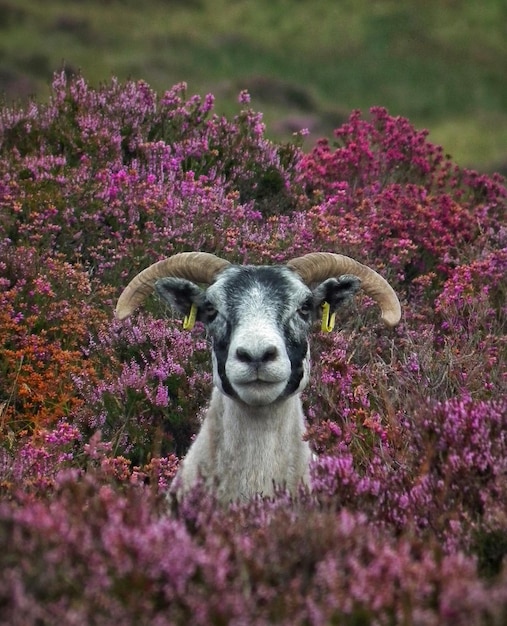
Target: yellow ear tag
<point x="327" y="319"/>
<point x="189" y="320"/>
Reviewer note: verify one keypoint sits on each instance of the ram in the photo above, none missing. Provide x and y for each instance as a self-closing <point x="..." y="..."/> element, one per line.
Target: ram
<point x="258" y="319"/>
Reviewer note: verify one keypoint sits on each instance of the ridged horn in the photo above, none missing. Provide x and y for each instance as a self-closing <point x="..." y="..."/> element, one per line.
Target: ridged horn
<point x="200" y="267"/>
<point x="318" y="266"/>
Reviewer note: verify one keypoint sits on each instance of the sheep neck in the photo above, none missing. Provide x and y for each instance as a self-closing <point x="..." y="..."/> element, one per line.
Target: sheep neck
<point x="258" y="446"/>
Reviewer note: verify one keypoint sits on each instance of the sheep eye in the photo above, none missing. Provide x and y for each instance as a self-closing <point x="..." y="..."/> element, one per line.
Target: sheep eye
<point x="210" y="312"/>
<point x="305" y="311"/>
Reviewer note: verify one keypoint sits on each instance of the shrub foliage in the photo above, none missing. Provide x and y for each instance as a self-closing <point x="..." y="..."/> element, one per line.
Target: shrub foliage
<point x="406" y="520"/>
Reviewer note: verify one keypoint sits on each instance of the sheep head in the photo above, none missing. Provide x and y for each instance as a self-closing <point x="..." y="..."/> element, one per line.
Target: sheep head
<point x="259" y="317"/>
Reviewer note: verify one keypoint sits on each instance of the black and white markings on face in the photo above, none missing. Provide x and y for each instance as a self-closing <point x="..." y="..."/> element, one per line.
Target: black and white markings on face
<point x="260" y="333"/>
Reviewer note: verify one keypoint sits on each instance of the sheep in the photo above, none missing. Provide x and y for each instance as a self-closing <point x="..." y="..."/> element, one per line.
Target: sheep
<point x="258" y="319"/>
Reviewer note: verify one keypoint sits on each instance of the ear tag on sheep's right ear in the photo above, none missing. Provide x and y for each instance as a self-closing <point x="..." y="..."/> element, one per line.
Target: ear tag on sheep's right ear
<point x="328" y="320"/>
<point x="189" y="320"/>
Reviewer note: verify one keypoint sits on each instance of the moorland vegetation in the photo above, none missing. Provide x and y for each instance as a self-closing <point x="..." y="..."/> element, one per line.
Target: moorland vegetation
<point x="406" y="523"/>
<point x="306" y="64"/>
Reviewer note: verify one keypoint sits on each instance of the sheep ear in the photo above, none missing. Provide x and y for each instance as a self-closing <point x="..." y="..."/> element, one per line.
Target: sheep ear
<point x="180" y="294"/>
<point x="336" y="291"/>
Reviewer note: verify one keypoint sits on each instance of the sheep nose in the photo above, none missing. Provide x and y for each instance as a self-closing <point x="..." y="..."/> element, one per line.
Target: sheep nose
<point x="257" y="357"/>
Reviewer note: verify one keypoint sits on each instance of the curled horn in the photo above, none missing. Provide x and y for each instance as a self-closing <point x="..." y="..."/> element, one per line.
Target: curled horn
<point x="200" y="267"/>
<point x="318" y="266"/>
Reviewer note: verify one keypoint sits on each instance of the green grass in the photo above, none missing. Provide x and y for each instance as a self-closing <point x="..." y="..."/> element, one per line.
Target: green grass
<point x="441" y="63"/>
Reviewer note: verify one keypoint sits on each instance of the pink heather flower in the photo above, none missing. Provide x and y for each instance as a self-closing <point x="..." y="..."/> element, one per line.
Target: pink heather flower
<point x="162" y="397"/>
<point x="244" y="97"/>
<point x="335" y="429"/>
<point x="209" y="101"/>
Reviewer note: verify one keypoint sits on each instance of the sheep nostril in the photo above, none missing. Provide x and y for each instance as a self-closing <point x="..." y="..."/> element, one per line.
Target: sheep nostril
<point x="243" y="355"/>
<point x="270" y="354"/>
<point x="247" y="356"/>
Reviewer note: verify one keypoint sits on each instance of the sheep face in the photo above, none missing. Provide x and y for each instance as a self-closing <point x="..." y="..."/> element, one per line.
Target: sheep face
<point x="258" y="319"/>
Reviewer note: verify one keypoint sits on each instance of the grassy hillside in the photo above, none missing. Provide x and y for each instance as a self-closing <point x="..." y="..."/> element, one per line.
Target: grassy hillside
<point x="440" y="63"/>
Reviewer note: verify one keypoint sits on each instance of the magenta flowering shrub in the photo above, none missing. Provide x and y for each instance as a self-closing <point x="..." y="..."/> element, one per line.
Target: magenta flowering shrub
<point x="449" y="473"/>
<point x="406" y="521"/>
<point x="118" y="173"/>
<point x="47" y="310"/>
<point x="97" y="555"/>
<point x="149" y="393"/>
<point x="388" y="192"/>
<point x="36" y="461"/>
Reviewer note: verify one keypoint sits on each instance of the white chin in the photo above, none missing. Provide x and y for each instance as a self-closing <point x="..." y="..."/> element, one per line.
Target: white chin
<point x="259" y="393"/>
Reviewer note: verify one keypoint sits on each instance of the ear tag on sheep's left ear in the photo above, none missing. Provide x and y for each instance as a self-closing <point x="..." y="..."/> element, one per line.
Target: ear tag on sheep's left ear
<point x="189" y="320"/>
<point x="328" y="320"/>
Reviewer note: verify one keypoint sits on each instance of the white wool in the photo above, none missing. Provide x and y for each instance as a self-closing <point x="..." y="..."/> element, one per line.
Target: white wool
<point x="243" y="450"/>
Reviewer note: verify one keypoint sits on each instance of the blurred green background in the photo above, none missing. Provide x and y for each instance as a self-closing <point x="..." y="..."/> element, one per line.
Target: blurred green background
<point x="306" y="63"/>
